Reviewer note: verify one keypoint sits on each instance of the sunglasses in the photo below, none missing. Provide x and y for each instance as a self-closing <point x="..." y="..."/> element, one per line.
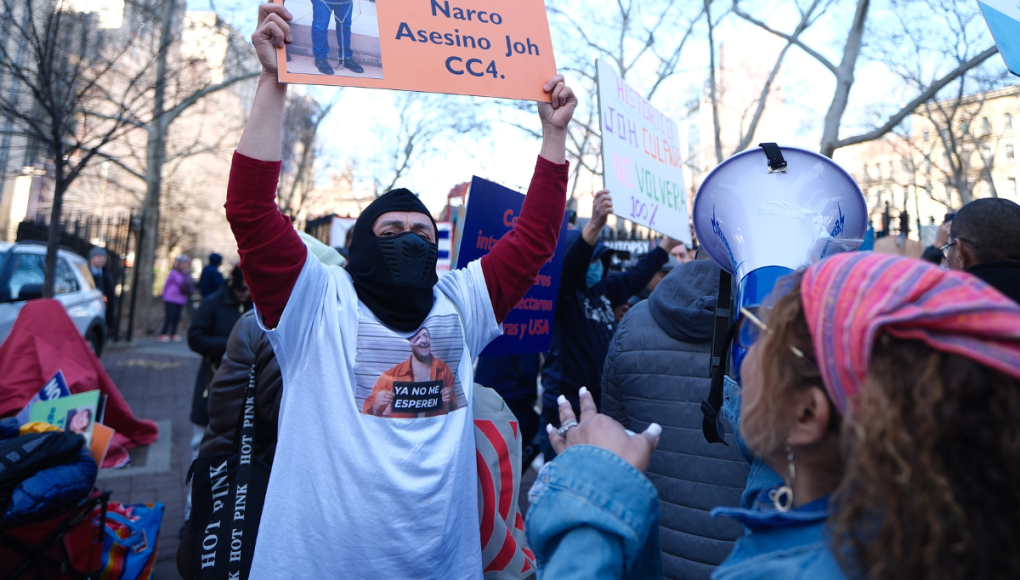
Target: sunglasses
<point x="748" y="334"/>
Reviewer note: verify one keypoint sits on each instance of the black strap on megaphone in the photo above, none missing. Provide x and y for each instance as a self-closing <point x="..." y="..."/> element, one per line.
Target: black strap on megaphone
<point x="711" y="424"/>
<point x="775" y="156"/>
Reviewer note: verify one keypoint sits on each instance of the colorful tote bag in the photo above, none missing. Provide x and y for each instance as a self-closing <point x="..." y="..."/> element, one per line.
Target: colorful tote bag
<point x="129" y="543"/>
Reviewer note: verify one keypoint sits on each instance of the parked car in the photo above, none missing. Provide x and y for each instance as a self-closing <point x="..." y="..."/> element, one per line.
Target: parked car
<point x="21" y="279"/>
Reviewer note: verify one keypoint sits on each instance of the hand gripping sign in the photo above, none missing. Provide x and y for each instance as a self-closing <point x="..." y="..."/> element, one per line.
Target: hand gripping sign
<point x="641" y="157"/>
<point x="486" y="48"/>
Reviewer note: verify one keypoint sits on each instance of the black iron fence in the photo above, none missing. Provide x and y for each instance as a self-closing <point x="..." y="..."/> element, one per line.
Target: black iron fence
<point x="81" y="233"/>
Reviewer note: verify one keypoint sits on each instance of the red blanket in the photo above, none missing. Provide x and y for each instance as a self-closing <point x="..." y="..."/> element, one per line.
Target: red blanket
<point x="43" y="341"/>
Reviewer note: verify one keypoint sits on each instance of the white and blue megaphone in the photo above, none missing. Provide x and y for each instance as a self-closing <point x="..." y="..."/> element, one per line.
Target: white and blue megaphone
<point x="763" y="213"/>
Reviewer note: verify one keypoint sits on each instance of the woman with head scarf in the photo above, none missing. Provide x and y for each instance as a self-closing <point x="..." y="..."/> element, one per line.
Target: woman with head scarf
<point x="885" y="392"/>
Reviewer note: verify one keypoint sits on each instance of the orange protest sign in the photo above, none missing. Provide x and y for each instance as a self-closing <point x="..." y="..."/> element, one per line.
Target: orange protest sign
<point x="485" y="48"/>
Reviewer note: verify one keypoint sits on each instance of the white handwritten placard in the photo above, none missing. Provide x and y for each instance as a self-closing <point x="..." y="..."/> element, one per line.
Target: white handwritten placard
<point x="641" y="158"/>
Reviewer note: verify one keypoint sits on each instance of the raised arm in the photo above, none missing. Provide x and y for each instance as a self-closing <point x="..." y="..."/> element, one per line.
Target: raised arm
<point x="622" y="286"/>
<point x="272" y="254"/>
<point x="512" y="265"/>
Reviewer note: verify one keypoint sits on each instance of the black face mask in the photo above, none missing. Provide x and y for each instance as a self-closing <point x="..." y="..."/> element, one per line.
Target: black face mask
<point x="410" y="257"/>
<point x="393" y="276"/>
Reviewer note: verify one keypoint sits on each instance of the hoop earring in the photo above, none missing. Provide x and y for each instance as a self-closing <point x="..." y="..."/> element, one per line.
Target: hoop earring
<point x="782" y="497"/>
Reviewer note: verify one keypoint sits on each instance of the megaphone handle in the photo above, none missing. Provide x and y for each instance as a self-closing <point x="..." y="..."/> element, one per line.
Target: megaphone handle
<point x="775" y="157"/>
<point x="711" y="425"/>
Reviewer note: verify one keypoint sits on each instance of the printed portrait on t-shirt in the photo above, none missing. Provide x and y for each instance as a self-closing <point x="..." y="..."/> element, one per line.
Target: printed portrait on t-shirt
<point x="407" y="378"/>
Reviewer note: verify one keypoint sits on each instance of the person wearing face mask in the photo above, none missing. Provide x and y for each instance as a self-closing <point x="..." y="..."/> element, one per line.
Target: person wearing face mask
<point x="356" y="495"/>
<point x="584" y="322"/>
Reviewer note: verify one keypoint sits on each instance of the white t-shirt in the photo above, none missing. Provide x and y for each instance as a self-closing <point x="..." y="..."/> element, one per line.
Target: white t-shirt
<point x="370" y="497"/>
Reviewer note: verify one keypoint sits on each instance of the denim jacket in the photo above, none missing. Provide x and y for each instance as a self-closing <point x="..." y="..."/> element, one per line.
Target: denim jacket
<point x="761" y="476"/>
<point x="594" y="517"/>
<point x="792" y="545"/>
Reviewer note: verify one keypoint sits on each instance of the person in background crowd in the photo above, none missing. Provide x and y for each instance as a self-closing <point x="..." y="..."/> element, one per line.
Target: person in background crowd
<point x="683" y="254"/>
<point x="104" y="283"/>
<point x="345" y="499"/>
<point x="933" y="253"/>
<point x="584" y="322"/>
<point x="211" y="279"/>
<point x="515" y="378"/>
<point x="984" y="239"/>
<point x="904" y="228"/>
<point x="176" y="290"/>
<point x="886" y="220"/>
<point x="657" y="371"/>
<point x="894" y="428"/>
<point x="212" y="324"/>
<point x="656" y="279"/>
<point x="620" y="311"/>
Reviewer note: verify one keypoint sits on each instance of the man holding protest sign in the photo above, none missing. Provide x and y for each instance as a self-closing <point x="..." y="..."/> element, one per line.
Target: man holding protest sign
<point x="354" y="495"/>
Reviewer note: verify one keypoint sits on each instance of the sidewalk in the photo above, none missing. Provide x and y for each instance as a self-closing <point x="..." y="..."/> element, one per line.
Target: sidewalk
<point x="157" y="380"/>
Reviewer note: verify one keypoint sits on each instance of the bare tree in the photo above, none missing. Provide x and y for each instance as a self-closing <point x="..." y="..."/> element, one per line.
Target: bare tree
<point x="807" y="17"/>
<point x="55" y="62"/>
<point x="957" y="148"/>
<point x="301" y="122"/>
<point x="177" y="74"/>
<point x="853" y="44"/>
<point x="644" y="41"/>
<point x="425" y="123"/>
<point x="951" y="151"/>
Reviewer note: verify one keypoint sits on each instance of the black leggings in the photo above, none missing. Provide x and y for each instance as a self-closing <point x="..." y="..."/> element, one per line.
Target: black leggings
<point x="173" y="316"/>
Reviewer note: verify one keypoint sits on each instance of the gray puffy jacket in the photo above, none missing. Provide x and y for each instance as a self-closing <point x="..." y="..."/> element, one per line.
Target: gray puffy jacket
<point x="658" y="371"/>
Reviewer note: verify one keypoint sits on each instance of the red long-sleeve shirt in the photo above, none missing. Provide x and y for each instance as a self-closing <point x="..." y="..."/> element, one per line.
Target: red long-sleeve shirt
<point x="272" y="254"/>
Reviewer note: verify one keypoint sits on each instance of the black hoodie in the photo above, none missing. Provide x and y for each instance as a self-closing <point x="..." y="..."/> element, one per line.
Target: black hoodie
<point x="584" y="322"/>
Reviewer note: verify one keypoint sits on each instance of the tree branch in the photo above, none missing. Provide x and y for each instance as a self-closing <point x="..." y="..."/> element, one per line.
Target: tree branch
<point x="922" y="98"/>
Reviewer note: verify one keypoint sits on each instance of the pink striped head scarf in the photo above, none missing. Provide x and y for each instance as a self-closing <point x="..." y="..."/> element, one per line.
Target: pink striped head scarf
<point x="850" y="297"/>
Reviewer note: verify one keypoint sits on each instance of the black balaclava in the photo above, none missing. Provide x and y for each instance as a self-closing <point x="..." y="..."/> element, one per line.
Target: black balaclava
<point x="394" y="276"/>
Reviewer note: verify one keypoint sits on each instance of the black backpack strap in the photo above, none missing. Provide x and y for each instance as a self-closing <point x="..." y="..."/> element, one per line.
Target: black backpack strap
<point x="711" y="424"/>
<point x="776" y="160"/>
<point x="245" y="446"/>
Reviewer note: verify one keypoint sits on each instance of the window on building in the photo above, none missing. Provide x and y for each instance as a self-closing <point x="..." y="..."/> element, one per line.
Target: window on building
<point x="986" y="126"/>
<point x="892" y="170"/>
<point x="1010" y="158"/>
<point x="1012" y="185"/>
<point x="924" y="135"/>
<point x="1007" y="120"/>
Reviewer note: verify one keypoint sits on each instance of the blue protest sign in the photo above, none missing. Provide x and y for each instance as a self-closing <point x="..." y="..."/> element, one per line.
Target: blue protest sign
<point x="491" y="212"/>
<point x="1003" y="18"/>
